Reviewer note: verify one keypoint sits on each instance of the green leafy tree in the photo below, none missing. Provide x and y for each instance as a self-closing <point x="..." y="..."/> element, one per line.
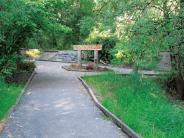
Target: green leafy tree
<point x="18" y="24"/>
<point x="148" y="27"/>
<point x="75" y="14"/>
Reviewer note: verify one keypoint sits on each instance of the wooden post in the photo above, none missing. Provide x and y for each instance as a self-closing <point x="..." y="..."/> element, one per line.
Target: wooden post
<point x="96" y="57"/>
<point x="79" y="58"/>
<point x="80" y="48"/>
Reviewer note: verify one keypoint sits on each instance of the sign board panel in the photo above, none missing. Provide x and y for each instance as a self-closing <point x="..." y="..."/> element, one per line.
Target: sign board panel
<point x="87" y="47"/>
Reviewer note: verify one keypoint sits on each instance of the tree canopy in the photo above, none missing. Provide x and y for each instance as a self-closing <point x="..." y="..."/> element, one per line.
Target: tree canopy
<point x="132" y="31"/>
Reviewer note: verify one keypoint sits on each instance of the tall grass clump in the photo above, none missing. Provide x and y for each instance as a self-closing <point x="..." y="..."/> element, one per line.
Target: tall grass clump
<point x="140" y="102"/>
<point x="8" y="96"/>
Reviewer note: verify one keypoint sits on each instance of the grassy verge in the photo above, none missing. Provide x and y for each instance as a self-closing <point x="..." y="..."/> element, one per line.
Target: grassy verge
<point x="141" y="103"/>
<point x="8" y="96"/>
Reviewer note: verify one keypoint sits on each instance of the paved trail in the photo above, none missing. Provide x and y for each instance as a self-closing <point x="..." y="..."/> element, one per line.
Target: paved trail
<point x="56" y="105"/>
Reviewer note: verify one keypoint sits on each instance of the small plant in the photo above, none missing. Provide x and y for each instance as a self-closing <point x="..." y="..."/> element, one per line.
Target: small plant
<point x="33" y="53"/>
<point x="26" y="66"/>
<point x="8" y="65"/>
<point x="90" y="66"/>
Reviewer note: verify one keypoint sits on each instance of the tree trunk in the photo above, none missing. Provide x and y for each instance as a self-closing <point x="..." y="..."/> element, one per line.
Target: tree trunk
<point x="180" y="87"/>
<point x="176" y="52"/>
<point x="177" y="58"/>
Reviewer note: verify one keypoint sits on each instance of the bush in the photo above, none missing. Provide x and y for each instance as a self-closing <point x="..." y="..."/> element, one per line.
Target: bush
<point x="108" y="44"/>
<point x="33" y="53"/>
<point x="22" y="72"/>
<point x="12" y="64"/>
<point x="26" y="66"/>
<point x="8" y="65"/>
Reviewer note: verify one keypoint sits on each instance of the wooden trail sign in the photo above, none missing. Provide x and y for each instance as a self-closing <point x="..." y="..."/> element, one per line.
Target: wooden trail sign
<point x="95" y="48"/>
<point x="87" y="47"/>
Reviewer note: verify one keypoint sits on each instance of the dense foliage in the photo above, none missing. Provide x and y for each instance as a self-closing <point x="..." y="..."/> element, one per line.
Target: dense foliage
<point x="47" y="24"/>
<point x="108" y="43"/>
<point x="145" y="28"/>
<point x="77" y="15"/>
<point x="18" y="24"/>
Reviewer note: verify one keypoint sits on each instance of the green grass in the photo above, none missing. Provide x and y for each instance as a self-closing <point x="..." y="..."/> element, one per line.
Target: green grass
<point x="8" y="96"/>
<point x="141" y="103"/>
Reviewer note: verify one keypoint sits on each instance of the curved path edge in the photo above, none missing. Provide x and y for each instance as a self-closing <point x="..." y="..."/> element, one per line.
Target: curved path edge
<point x="124" y="127"/>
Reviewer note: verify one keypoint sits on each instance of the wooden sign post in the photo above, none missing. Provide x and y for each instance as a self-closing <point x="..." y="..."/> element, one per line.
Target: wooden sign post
<point x="81" y="48"/>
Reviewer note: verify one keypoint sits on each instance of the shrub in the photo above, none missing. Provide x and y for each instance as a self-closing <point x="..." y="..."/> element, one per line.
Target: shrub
<point x="22" y="72"/>
<point x="33" y="53"/>
<point x="26" y="66"/>
<point x="8" y="65"/>
<point x="90" y="66"/>
<point x="108" y="44"/>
